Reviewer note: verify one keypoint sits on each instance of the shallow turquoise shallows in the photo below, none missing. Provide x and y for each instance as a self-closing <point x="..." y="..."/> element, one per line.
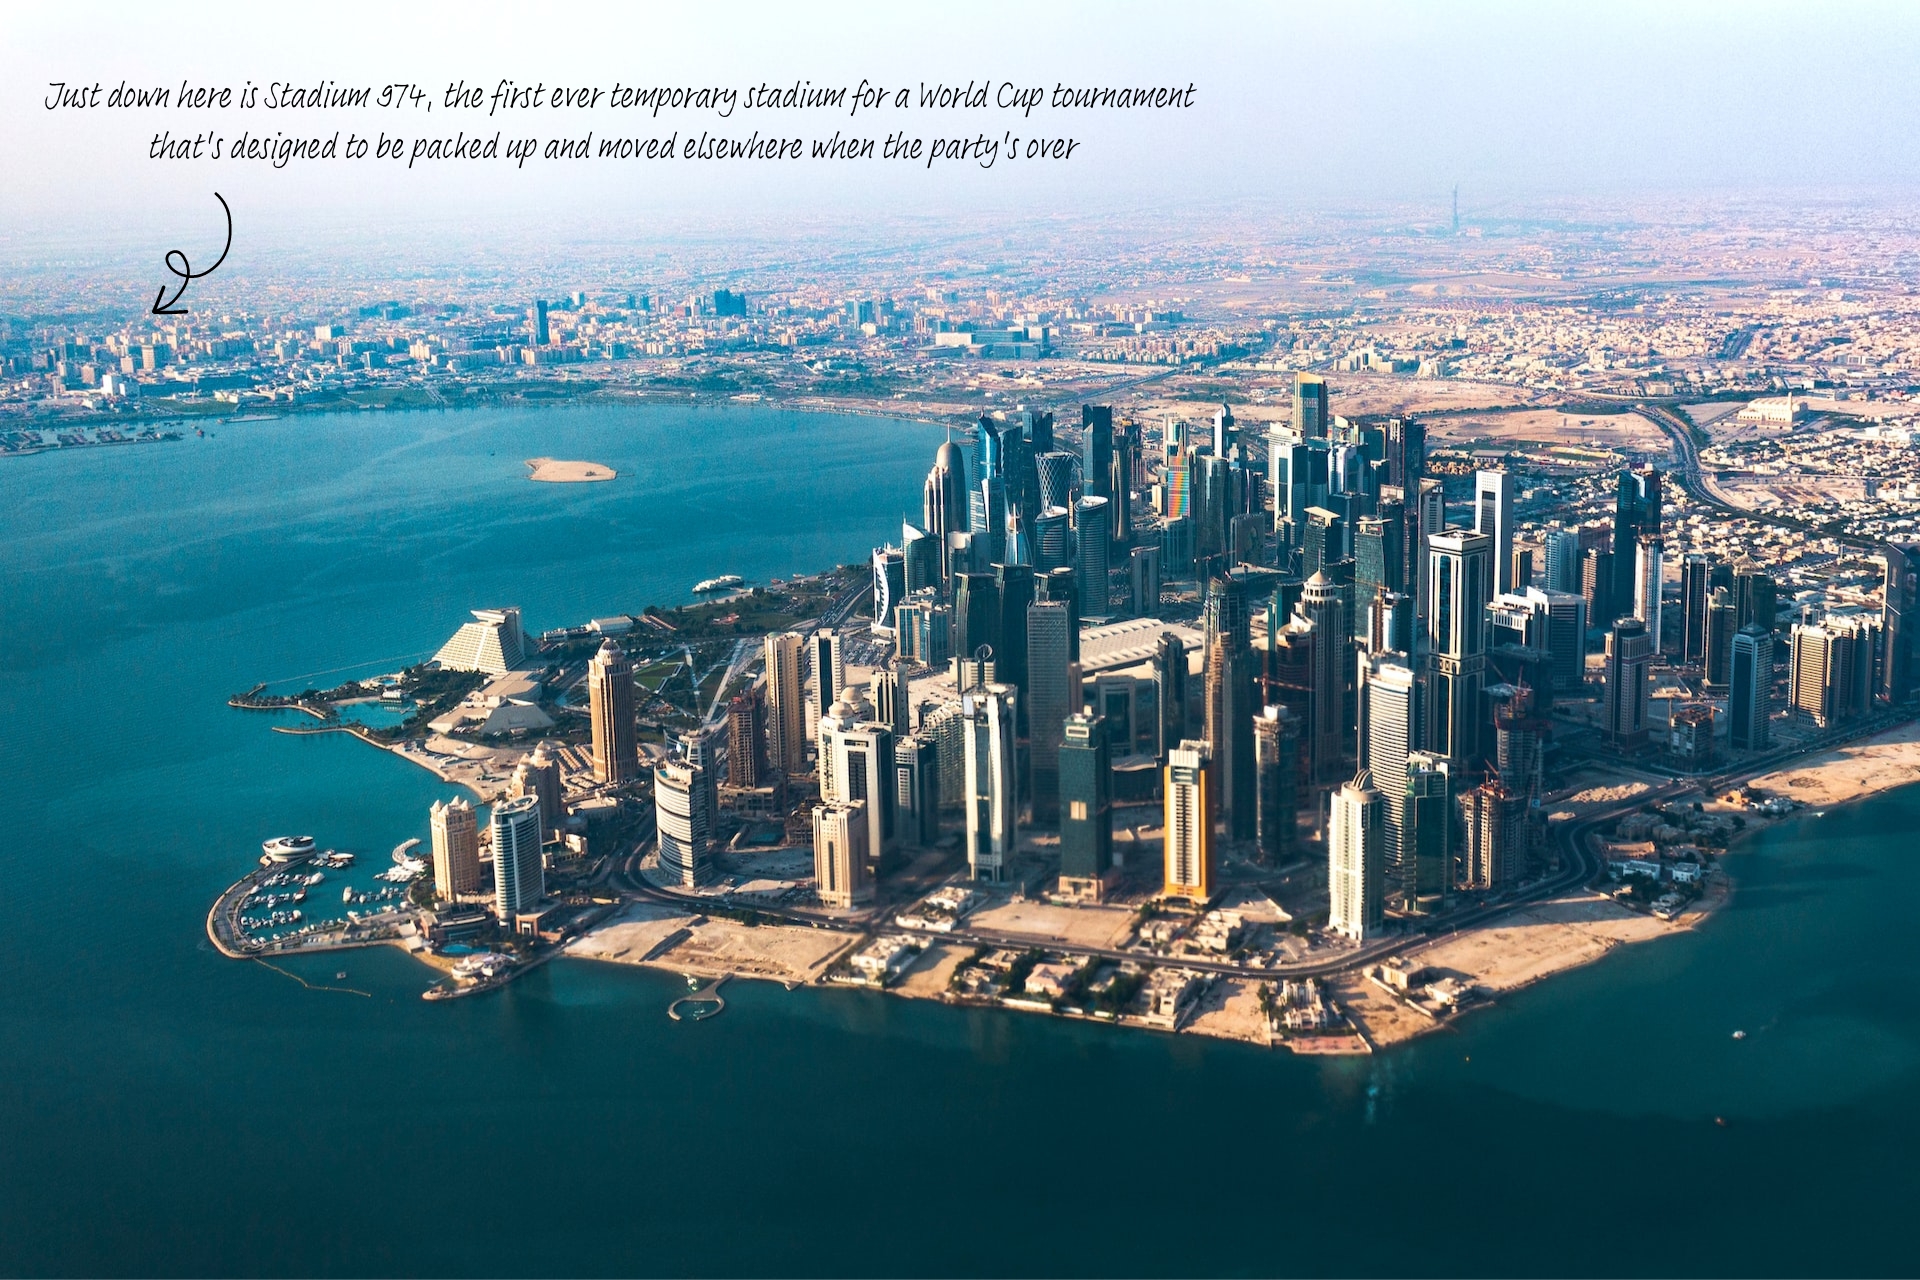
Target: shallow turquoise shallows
<point x="164" y="1111"/>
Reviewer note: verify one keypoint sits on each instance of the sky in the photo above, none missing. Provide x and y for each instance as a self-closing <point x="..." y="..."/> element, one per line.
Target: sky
<point x="1311" y="106"/>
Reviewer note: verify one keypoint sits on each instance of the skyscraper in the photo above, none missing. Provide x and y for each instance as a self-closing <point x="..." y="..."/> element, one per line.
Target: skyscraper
<point x="916" y="791"/>
<point x="1048" y="678"/>
<point x="1326" y="727"/>
<point x="1086" y="807"/>
<point x="456" y="848"/>
<point x="1013" y="592"/>
<point x="746" y="740"/>
<point x="786" y="712"/>
<point x="1355" y="883"/>
<point x="840" y="855"/>
<point x="683" y="825"/>
<point x="537" y="331"/>
<point x="519" y="877"/>
<point x="1563" y="561"/>
<point x="889" y="584"/>
<point x="1406" y="452"/>
<point x="1388" y="742"/>
<point x="1722" y="624"/>
<point x="1755" y="596"/>
<point x="976" y="620"/>
<point x="616" y="754"/>
<point x="1090" y="569"/>
<point x="1492" y="818"/>
<point x="944" y="501"/>
<point x="1899" y="615"/>
<point x="856" y="765"/>
<point x="1629" y="655"/>
<point x="1143" y="580"/>
<point x="1750" y="695"/>
<point x="1696" y="572"/>
<point x="1310" y="416"/>
<point x="829" y="670"/>
<point x="1460" y="585"/>
<point x="1096" y="450"/>
<point x="1189" y="823"/>
<point x="538" y="774"/>
<point x="1426" y="829"/>
<point x="1636" y="510"/>
<point x="1647" y="578"/>
<point x="992" y="797"/>
<point x="1223" y="432"/>
<point x="1170" y="671"/>
<point x="1059" y="479"/>
<point x="1493" y="516"/>
<point x="1276" y="744"/>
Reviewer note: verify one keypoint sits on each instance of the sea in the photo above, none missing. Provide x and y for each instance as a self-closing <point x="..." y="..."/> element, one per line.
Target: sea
<point x="166" y="1111"/>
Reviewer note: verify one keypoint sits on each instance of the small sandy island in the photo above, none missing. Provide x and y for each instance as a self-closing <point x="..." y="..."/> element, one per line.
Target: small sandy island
<point x="557" y="471"/>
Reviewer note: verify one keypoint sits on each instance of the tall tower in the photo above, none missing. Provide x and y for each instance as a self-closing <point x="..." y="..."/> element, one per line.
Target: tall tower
<point x="537" y="331"/>
<point x="519" y="878"/>
<point x="1096" y="449"/>
<point x="944" y="501"/>
<point x="829" y="670"/>
<point x="1048" y="701"/>
<point x="1321" y="604"/>
<point x="1636" y="510"/>
<point x="1086" y="807"/>
<point x="1722" y="624"/>
<point x="1750" y="697"/>
<point x="1459" y="587"/>
<point x="1426" y="829"/>
<point x="1354" y="880"/>
<point x="616" y="754"/>
<point x="683" y="825"/>
<point x="840" y="858"/>
<point x="1696" y="573"/>
<point x="1388" y="744"/>
<point x="992" y="796"/>
<point x="1276" y="745"/>
<point x="1091" y="566"/>
<point x="916" y="791"/>
<point x="1189" y="823"/>
<point x="1310" y="417"/>
<point x="786" y="710"/>
<point x="1493" y="516"/>
<point x="538" y="774"/>
<point x="1899" y="596"/>
<point x="456" y="848"/>
<point x="747" y="740"/>
<point x="855" y="765"/>
<point x="1563" y="561"/>
<point x="1629" y="655"/>
<point x="1647" y="576"/>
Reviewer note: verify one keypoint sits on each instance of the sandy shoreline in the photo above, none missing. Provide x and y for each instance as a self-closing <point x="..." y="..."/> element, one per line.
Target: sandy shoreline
<point x="1853" y="772"/>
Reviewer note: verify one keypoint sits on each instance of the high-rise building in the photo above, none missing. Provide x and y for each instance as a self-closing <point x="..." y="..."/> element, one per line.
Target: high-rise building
<point x="840" y="854"/>
<point x="1049" y="678"/>
<point x="1754" y="596"/>
<point x="976" y="619"/>
<point x="916" y="791"/>
<point x="1519" y="746"/>
<point x="1493" y="516"/>
<point x="1717" y="647"/>
<point x="1276" y="745"/>
<point x="1696" y="572"/>
<point x="456" y="848"/>
<point x="1062" y="586"/>
<point x="1053" y="546"/>
<point x="1750" y="692"/>
<point x="1013" y="589"/>
<point x="1426" y="829"/>
<point x="1224" y="437"/>
<point x="1310" y="416"/>
<point x="538" y="774"/>
<point x="829" y="671"/>
<point x="1459" y="587"/>
<point x="1390" y="702"/>
<point x="1059" y="475"/>
<point x="1096" y="450"/>
<point x="944" y="502"/>
<point x="889" y="584"/>
<point x="856" y="765"/>
<point x="1629" y="657"/>
<point x="1563" y="561"/>
<point x="1143" y="580"/>
<point x="1899" y="616"/>
<point x="683" y="825"/>
<point x="537" y="331"/>
<point x="1322" y="542"/>
<point x="786" y="710"/>
<point x="1189" y="823"/>
<point x="747" y="740"/>
<point x="1090" y="568"/>
<point x="1406" y="453"/>
<point x="1355" y="880"/>
<point x="1493" y="818"/>
<point x="920" y="556"/>
<point x="1636" y="511"/>
<point x="616" y="753"/>
<point x="992" y="797"/>
<point x="1322" y="605"/>
<point x="1596" y="584"/>
<point x="1378" y="547"/>
<point x="1086" y="807"/>
<point x="1170" y="673"/>
<point x="519" y="876"/>
<point x="1648" y="574"/>
<point x="1830" y="670"/>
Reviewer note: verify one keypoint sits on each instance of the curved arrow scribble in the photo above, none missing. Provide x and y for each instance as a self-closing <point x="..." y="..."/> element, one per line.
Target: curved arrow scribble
<point x="162" y="304"/>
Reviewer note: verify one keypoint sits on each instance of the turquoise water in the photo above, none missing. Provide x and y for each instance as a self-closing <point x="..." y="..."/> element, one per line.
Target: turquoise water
<point x="163" y="1110"/>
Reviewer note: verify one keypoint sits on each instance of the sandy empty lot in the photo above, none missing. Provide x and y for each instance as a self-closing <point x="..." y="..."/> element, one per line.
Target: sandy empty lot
<point x="1090" y="926"/>
<point x="713" y="947"/>
<point x="1231" y="1011"/>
